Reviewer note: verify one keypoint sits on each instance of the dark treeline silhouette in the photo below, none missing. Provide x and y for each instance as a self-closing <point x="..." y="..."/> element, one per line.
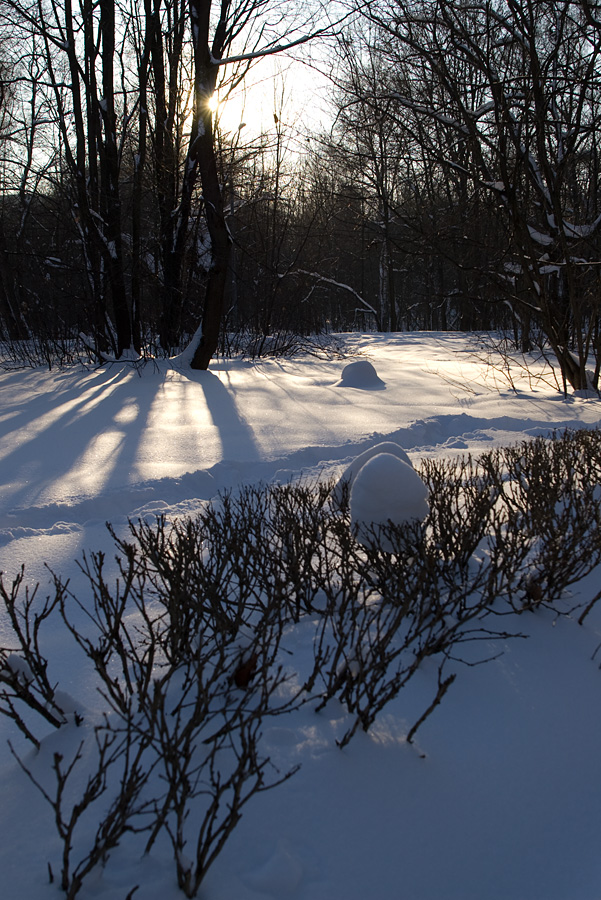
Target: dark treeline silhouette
<point x="457" y="189"/>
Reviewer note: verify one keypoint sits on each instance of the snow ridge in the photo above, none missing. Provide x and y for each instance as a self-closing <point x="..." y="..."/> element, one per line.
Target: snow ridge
<point x="450" y="434"/>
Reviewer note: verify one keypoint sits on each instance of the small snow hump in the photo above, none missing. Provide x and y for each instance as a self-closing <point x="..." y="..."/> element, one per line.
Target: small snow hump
<point x="361" y="374"/>
<point x="345" y="482"/>
<point x="386" y="489"/>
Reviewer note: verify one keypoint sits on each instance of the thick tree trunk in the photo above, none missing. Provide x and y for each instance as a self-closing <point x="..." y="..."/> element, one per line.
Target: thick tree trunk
<point x="202" y="155"/>
<point x="220" y="251"/>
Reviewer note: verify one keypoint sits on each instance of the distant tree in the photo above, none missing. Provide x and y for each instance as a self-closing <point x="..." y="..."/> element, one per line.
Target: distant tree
<point x="517" y="98"/>
<point x="25" y="161"/>
<point x="420" y="218"/>
<point x="131" y="86"/>
<point x="10" y="311"/>
<point x="370" y="152"/>
<point x="211" y="48"/>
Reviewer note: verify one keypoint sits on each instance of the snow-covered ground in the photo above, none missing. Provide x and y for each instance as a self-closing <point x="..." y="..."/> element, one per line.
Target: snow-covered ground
<point x="501" y="797"/>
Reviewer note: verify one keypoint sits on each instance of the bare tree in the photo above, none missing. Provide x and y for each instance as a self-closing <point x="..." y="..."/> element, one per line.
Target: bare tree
<point x="517" y="93"/>
<point x="131" y="88"/>
<point x="369" y="148"/>
<point x="236" y="18"/>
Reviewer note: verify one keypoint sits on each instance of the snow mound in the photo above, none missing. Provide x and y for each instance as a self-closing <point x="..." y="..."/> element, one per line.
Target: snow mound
<point x="361" y="374"/>
<point x="386" y="489"/>
<point x="350" y="473"/>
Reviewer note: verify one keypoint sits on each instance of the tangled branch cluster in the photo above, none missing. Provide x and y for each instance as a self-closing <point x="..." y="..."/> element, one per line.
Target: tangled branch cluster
<point x="186" y="644"/>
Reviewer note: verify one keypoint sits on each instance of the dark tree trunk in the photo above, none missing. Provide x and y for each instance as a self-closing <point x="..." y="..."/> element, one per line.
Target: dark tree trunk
<point x="110" y="195"/>
<point x="220" y="249"/>
<point x="10" y="313"/>
<point x="202" y="159"/>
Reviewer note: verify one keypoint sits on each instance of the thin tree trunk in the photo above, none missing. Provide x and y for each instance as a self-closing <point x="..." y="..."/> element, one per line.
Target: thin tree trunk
<point x="109" y="162"/>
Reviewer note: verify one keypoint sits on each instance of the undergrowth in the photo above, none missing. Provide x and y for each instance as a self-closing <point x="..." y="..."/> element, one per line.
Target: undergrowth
<point x="186" y="643"/>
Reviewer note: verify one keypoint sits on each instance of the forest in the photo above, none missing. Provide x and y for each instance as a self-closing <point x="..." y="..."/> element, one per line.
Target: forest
<point x="454" y="184"/>
<point x="300" y="454"/>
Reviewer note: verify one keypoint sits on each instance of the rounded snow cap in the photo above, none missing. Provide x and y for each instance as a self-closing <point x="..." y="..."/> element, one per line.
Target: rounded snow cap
<point x="361" y="374"/>
<point x="350" y="473"/>
<point x="387" y="489"/>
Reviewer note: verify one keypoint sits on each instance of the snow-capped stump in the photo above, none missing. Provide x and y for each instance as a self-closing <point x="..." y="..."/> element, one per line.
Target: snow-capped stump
<point x="350" y="473"/>
<point x="361" y="374"/>
<point x="386" y="489"/>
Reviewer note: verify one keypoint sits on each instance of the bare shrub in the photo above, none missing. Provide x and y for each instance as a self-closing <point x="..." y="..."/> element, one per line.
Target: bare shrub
<point x="186" y="643"/>
<point x="194" y="673"/>
<point x="551" y="490"/>
<point x="24" y="680"/>
<point x="114" y="767"/>
<point x="389" y="611"/>
<point x="187" y="712"/>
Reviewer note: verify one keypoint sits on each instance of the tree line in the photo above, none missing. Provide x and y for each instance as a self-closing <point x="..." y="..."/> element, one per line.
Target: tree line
<point x="456" y="189"/>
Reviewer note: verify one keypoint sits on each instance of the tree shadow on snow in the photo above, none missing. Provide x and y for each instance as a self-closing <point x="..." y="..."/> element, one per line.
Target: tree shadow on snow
<point x="234" y="431"/>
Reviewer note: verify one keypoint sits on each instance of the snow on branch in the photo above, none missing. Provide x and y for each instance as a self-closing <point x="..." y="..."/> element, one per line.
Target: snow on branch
<point x="339" y="284"/>
<point x="272" y="49"/>
<point x="429" y="111"/>
<point x="581" y="231"/>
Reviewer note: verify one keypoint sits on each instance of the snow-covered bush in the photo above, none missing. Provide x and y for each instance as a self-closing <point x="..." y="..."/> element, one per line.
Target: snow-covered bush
<point x="384" y="490"/>
<point x="341" y="490"/>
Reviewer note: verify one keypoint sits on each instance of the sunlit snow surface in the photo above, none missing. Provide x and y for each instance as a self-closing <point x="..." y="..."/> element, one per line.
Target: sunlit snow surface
<point x="500" y="800"/>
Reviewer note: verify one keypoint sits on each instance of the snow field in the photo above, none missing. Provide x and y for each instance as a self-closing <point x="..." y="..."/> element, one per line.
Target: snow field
<point x="500" y="798"/>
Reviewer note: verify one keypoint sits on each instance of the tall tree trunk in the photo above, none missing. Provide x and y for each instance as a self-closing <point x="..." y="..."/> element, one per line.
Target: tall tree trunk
<point x="220" y="251"/>
<point x="138" y="175"/>
<point x="173" y="211"/>
<point x="202" y="159"/>
<point x="110" y="195"/>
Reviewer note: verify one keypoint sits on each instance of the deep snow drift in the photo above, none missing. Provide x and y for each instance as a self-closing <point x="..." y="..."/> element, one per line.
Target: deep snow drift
<point x="501" y="797"/>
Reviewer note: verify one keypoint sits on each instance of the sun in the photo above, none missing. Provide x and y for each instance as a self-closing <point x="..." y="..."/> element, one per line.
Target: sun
<point x="292" y="93"/>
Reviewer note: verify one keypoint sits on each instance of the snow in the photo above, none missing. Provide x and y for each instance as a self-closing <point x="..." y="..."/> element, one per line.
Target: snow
<point x="345" y="481"/>
<point x="386" y="489"/>
<point x="361" y="374"/>
<point x="544" y="239"/>
<point x="500" y="796"/>
<point x="20" y="667"/>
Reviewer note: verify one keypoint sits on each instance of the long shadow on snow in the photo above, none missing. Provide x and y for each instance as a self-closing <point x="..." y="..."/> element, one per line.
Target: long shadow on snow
<point x="53" y="453"/>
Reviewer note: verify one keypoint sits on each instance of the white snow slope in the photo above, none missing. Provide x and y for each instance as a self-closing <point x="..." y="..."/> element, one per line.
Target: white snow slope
<point x="501" y="797"/>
